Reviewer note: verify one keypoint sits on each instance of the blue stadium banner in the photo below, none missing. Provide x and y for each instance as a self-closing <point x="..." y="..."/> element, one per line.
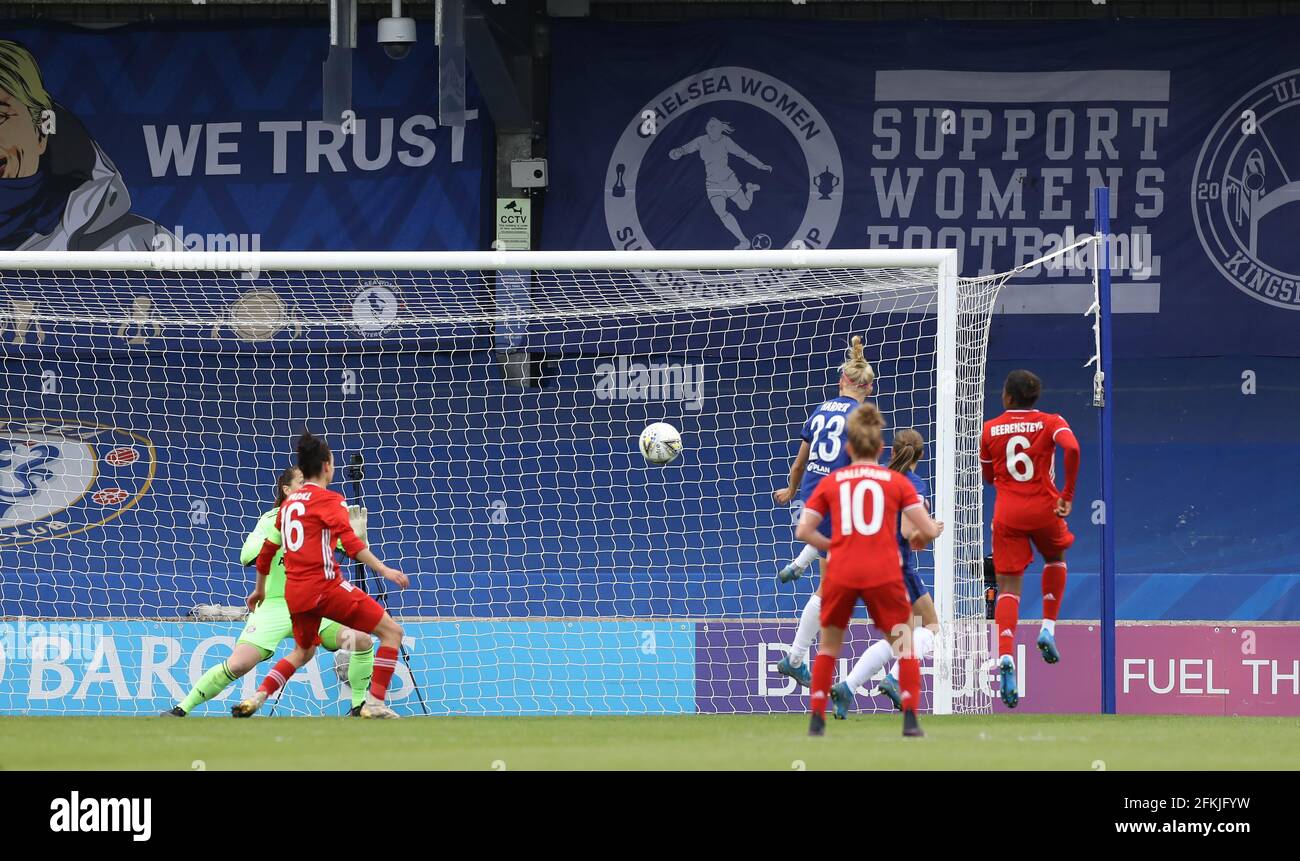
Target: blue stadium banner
<point x="210" y="135"/>
<point x="985" y="137"/>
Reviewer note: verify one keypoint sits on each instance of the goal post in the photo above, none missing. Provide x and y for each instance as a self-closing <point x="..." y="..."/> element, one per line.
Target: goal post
<point x="153" y="397"/>
<point x="944" y="445"/>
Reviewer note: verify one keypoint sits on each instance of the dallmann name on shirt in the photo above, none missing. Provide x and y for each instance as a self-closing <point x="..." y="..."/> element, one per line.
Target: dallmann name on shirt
<point x="1016" y="427"/>
<point x="872" y="470"/>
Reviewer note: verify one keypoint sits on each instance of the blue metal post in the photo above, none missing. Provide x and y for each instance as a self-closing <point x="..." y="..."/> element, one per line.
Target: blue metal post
<point x="1106" y="416"/>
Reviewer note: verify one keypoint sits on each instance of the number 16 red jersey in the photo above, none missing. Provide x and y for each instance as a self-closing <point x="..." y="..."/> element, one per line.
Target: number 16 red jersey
<point x="311" y="521"/>
<point x="1018" y="456"/>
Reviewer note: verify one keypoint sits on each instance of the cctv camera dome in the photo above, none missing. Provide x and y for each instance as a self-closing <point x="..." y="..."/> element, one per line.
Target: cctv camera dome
<point x="397" y="51"/>
<point x="397" y="35"/>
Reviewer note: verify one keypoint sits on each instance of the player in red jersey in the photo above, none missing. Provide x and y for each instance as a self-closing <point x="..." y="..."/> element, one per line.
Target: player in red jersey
<point x="310" y="522"/>
<point x="1018" y="457"/>
<point x="863" y="501"/>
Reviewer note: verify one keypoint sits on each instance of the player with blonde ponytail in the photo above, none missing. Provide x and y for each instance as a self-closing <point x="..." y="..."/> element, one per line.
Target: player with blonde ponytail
<point x="822" y="452"/>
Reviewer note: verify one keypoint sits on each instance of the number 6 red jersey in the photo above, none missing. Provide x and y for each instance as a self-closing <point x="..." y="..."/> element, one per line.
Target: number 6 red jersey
<point x="1018" y="457"/>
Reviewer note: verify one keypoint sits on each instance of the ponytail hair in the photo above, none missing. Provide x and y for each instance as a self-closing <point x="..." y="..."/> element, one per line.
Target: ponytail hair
<point x="285" y="479"/>
<point x="908" y="448"/>
<point x="856" y="369"/>
<point x="313" y="454"/>
<point x="865" y="431"/>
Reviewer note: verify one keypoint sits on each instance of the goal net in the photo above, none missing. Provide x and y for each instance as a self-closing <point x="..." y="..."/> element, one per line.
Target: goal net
<point x="484" y="408"/>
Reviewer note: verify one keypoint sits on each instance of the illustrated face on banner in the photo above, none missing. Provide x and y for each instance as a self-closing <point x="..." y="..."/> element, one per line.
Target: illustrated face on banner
<point x="79" y="201"/>
<point x="175" y="148"/>
<point x="21" y="142"/>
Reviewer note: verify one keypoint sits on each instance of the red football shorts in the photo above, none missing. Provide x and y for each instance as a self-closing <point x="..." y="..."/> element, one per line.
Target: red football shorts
<point x="887" y="604"/>
<point x="344" y="603"/>
<point x="1012" y="552"/>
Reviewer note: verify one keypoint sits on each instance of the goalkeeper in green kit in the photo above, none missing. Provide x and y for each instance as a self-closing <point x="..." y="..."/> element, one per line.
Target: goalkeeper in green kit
<point x="269" y="623"/>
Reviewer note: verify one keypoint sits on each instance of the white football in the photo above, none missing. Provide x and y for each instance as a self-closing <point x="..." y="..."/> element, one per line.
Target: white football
<point x="342" y="659"/>
<point x="661" y="443"/>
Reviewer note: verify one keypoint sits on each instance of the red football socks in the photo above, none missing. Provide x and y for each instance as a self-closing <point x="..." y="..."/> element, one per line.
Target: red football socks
<point x="822" y="675"/>
<point x="385" y="664"/>
<point x="1006" y="613"/>
<point x="276" y="679"/>
<point x="909" y="681"/>
<point x="1053" y="589"/>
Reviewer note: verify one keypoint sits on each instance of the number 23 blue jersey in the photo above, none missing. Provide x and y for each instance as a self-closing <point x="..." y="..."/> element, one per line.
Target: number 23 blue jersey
<point x="824" y="433"/>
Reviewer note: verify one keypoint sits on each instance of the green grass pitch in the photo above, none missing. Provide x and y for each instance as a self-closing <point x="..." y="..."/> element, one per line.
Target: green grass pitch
<point x="1070" y="742"/>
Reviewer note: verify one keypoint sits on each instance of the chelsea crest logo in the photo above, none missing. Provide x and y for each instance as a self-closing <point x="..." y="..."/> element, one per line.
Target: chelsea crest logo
<point x="1246" y="193"/>
<point x="729" y="157"/>
<point x="60" y="478"/>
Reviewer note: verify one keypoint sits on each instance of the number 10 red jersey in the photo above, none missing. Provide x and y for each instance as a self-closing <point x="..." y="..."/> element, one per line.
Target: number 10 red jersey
<point x="863" y="501"/>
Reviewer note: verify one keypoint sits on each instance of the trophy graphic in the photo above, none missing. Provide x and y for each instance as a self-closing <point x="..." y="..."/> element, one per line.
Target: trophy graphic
<point x="826" y="182"/>
<point x="138" y="328"/>
<point x="21" y="313"/>
<point x="619" y="189"/>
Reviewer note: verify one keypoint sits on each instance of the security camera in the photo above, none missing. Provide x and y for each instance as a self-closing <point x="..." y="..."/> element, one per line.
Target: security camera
<point x="528" y="173"/>
<point x="397" y="34"/>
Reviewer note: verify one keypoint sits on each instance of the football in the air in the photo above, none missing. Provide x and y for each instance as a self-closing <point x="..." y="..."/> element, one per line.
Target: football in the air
<point x="661" y="443"/>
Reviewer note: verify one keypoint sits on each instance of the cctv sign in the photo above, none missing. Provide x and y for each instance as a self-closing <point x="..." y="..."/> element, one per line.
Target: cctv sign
<point x="514" y="224"/>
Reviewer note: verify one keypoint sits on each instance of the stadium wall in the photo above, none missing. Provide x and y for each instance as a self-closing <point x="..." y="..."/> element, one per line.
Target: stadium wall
<point x="911" y="132"/>
<point x="1203" y="510"/>
<point x="1208" y="414"/>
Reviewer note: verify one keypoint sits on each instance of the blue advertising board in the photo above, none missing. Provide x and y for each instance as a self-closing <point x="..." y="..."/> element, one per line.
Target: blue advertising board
<point x="984" y="137"/>
<point x="213" y="134"/>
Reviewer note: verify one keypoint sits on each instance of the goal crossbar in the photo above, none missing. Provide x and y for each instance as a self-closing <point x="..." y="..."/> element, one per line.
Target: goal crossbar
<point x="271" y="261"/>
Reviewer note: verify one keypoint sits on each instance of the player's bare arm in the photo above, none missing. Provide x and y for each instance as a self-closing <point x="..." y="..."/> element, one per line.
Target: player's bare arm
<point x="784" y="495"/>
<point x="914" y="537"/>
<point x="263" y="565"/>
<point x="392" y="575"/>
<point x="258" y="595"/>
<point x="352" y="543"/>
<point x="925" y="528"/>
<point x="906" y="527"/>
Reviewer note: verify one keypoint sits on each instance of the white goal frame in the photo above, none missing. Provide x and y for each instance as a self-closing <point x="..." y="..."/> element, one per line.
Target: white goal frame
<point x="943" y="262"/>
